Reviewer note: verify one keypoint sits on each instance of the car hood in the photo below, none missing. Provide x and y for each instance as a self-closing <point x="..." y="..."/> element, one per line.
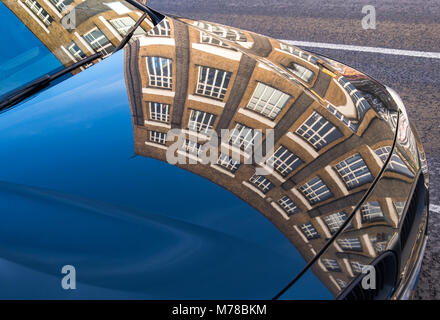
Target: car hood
<point x="88" y="180"/>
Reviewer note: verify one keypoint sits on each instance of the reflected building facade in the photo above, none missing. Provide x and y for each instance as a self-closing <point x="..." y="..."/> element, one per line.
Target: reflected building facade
<point x="331" y="137"/>
<point x="75" y="29"/>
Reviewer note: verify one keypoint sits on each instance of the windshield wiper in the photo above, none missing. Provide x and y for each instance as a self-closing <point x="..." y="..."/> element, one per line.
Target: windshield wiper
<point x="155" y="17"/>
<point x="43" y="82"/>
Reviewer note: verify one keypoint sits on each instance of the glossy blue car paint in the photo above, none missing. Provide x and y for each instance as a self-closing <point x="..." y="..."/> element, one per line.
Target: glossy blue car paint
<point x="72" y="192"/>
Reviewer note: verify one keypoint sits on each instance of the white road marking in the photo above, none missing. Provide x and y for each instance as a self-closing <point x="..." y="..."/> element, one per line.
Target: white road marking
<point x="396" y="52"/>
<point x="434" y="208"/>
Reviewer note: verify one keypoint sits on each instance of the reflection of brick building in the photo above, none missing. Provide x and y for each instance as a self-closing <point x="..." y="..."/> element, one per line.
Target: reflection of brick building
<point x="74" y="29"/>
<point x="329" y="142"/>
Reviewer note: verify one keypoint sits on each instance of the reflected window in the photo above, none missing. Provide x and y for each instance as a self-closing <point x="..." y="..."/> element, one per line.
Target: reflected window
<point x="224" y="32"/>
<point x="76" y="51"/>
<point x="262" y="183"/>
<point x="341" y="283"/>
<point x="244" y="137"/>
<point x="38" y="10"/>
<point x="159" y="112"/>
<point x="284" y="161"/>
<point x="361" y="104"/>
<point x="371" y="212"/>
<point x="335" y="221"/>
<point x="160" y="72"/>
<point x="396" y="164"/>
<point x="342" y="118"/>
<point x="206" y="38"/>
<point x="213" y="82"/>
<point x="356" y="266"/>
<point x="353" y="244"/>
<point x="301" y="72"/>
<point x="192" y="147"/>
<point x="318" y="131"/>
<point x="158" y="137"/>
<point x="316" y="191"/>
<point x="354" y="171"/>
<point x="288" y="206"/>
<point x="331" y="265"/>
<point x="201" y="121"/>
<point x="228" y="163"/>
<point x="299" y="53"/>
<point x="309" y="231"/>
<point x="380" y="241"/>
<point x="124" y="24"/>
<point x="163" y="29"/>
<point x="99" y="42"/>
<point x="268" y="101"/>
<point x="61" y="4"/>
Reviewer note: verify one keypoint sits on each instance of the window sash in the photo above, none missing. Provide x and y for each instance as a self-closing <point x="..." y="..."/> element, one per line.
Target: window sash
<point x="318" y="131"/>
<point x="201" y="121"/>
<point x="335" y="221"/>
<point x="213" y="82"/>
<point x="284" y="161"/>
<point x="160" y="72"/>
<point x="124" y="24"/>
<point x="268" y="101"/>
<point x="244" y="137"/>
<point x="288" y="205"/>
<point x="262" y="183"/>
<point x="316" y="191"/>
<point x="158" y="137"/>
<point x="159" y="112"/>
<point x="228" y="162"/>
<point x="354" y="171"/>
<point x="99" y="42"/>
<point x="163" y="29"/>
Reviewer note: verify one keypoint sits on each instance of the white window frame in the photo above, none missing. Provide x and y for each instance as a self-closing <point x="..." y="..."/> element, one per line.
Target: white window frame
<point x="160" y="77"/>
<point x="288" y="205"/>
<point x="223" y="32"/>
<point x="287" y="165"/>
<point x="356" y="266"/>
<point x="201" y="121"/>
<point x="159" y="112"/>
<point x="124" y="24"/>
<point x="39" y="11"/>
<point x="228" y="162"/>
<point x="314" y="137"/>
<point x="353" y="244"/>
<point x="192" y="147"/>
<point x="331" y="265"/>
<point x="334" y="221"/>
<point x="163" y="29"/>
<point x="309" y="231"/>
<point x="76" y="53"/>
<point x="158" y="137"/>
<point x="208" y="88"/>
<point x="313" y="195"/>
<point x="262" y="183"/>
<point x="95" y="42"/>
<point x="354" y="177"/>
<point x="371" y="212"/>
<point x="244" y="137"/>
<point x="60" y="4"/>
<point x="268" y="101"/>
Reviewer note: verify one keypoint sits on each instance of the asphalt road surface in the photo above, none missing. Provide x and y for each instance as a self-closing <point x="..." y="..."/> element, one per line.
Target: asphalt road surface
<point x="401" y="24"/>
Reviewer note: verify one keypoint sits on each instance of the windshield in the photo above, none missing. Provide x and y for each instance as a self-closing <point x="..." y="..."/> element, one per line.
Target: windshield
<point x="44" y="36"/>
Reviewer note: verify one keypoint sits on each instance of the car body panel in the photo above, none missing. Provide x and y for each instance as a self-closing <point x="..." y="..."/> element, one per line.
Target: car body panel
<point x="92" y="154"/>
